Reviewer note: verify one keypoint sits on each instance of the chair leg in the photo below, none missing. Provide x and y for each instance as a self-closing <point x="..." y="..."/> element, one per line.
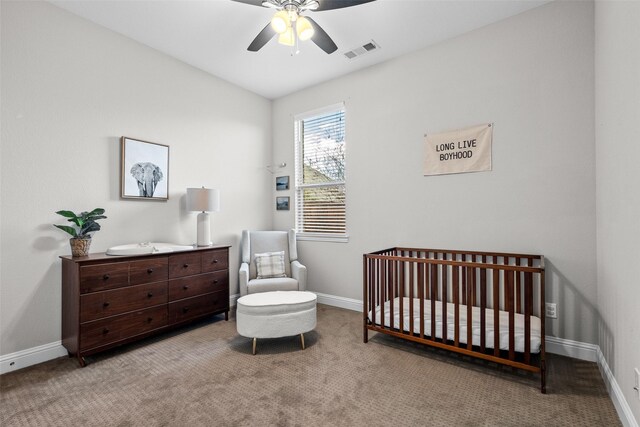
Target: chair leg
<point x="254" y="345"/>
<point x="302" y="340"/>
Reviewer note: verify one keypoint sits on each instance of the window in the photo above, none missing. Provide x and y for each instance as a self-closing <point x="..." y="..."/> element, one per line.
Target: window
<point x="320" y="174"/>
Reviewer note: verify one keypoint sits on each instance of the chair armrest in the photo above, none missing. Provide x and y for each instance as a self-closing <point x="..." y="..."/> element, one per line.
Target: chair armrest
<point x="299" y="272"/>
<point x="243" y="277"/>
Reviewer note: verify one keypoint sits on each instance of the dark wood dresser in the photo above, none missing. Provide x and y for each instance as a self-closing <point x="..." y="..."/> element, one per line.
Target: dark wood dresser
<point x="112" y="300"/>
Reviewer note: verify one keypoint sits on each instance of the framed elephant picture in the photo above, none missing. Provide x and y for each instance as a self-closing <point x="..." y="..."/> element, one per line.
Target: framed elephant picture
<point x="144" y="171"/>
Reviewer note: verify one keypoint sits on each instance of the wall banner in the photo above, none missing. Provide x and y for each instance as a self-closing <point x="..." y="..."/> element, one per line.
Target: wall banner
<point x="459" y="151"/>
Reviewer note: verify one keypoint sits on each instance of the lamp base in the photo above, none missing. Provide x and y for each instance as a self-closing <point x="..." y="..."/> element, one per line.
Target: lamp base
<point x="204" y="230"/>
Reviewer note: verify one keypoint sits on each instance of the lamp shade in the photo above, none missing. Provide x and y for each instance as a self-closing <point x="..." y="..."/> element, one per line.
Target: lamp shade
<point x="304" y="28"/>
<point x="203" y="200"/>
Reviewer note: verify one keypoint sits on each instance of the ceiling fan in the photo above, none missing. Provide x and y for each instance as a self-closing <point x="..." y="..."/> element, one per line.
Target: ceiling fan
<point x="290" y="25"/>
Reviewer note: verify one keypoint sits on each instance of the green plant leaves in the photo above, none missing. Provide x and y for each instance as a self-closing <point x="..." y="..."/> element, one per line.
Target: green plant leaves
<point x="67" y="229"/>
<point x="85" y="222"/>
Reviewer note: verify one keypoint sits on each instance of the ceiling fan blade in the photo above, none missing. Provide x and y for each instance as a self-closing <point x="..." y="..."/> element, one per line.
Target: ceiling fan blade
<point x="251" y="2"/>
<point x="321" y="38"/>
<point x="262" y="38"/>
<point x="337" y="4"/>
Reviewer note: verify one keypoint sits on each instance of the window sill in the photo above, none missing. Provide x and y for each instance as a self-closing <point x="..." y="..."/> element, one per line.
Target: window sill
<point x="322" y="238"/>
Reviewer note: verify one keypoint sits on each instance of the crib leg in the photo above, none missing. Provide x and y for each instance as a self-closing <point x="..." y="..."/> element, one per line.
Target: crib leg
<point x="365" y="334"/>
<point x="543" y="377"/>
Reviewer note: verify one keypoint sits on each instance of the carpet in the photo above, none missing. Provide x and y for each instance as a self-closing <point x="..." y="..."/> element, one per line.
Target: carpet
<point x="205" y="375"/>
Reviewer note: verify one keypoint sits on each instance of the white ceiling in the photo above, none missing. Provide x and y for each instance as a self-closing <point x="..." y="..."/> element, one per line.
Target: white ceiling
<point x="213" y="35"/>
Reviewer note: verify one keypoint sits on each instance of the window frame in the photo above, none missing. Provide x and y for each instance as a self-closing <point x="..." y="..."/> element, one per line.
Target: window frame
<point x="299" y="186"/>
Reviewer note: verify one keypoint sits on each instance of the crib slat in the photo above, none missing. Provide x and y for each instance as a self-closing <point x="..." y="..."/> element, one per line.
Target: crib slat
<point x="391" y="289"/>
<point x="483" y="306"/>
<point x="411" y="296"/>
<point x="464" y="282"/>
<point x="444" y="300"/>
<point x="496" y="312"/>
<point x="470" y="273"/>
<point x="401" y="294"/>
<point x="434" y="296"/>
<point x="512" y="320"/>
<point x="518" y="291"/>
<point x="382" y="275"/>
<point x="528" y="306"/>
<point x="421" y="296"/>
<point x="372" y="290"/>
<point x="456" y="306"/>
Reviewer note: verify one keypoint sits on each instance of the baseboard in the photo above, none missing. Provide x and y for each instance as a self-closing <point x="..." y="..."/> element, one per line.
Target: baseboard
<point x="615" y="392"/>
<point x="574" y="349"/>
<point x="341" y="302"/>
<point x="233" y="300"/>
<point x="31" y="356"/>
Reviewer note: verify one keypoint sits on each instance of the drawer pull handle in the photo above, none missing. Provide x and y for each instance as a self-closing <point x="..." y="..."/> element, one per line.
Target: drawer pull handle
<point x="185" y="265"/>
<point x="105" y="304"/>
<point x="149" y="319"/>
<point x="149" y="295"/>
<point x="105" y="277"/>
<point x="105" y="331"/>
<point x="185" y="309"/>
<point x="185" y="287"/>
<point x="215" y="261"/>
<point x="215" y="282"/>
<point x="150" y="270"/>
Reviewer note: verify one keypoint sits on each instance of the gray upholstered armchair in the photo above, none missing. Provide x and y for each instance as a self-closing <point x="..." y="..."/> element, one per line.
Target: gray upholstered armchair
<point x="260" y="242"/>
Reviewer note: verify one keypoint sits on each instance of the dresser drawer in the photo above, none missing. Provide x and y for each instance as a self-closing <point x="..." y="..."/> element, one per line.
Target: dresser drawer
<point x="109" y="303"/>
<point x="112" y="329"/>
<point x="184" y="265"/>
<point x="149" y="270"/>
<point x="197" y="285"/>
<point x="189" y="308"/>
<point x="103" y="276"/>
<point x="215" y="260"/>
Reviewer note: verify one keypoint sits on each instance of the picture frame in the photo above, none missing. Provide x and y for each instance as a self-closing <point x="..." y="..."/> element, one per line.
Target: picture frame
<point x="144" y="170"/>
<point x="282" y="203"/>
<point x="282" y="183"/>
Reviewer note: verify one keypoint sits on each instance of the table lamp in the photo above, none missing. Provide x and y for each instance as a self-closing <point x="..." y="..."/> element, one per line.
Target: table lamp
<point x="203" y="200"/>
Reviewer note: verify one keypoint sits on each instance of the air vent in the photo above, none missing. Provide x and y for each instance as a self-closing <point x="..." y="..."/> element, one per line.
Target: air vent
<point x="361" y="50"/>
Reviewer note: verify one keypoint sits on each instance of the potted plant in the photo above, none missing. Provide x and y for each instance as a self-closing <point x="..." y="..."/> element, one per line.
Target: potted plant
<point x="84" y="224"/>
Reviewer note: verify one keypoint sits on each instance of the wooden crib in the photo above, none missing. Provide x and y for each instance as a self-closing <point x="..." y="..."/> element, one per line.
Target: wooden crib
<point x="481" y="304"/>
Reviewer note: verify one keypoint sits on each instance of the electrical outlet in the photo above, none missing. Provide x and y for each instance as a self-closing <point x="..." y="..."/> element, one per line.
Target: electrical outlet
<point x="637" y="382"/>
<point x="551" y="310"/>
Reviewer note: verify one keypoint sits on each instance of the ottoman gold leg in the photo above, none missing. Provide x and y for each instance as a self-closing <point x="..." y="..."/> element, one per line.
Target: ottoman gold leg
<point x="254" y="345"/>
<point x="302" y="340"/>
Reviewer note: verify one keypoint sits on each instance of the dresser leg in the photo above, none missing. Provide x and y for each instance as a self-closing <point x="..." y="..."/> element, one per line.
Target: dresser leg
<point x="226" y="315"/>
<point x="82" y="362"/>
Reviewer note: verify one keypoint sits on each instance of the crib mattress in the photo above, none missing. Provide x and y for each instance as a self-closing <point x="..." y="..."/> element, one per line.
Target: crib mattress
<point x="476" y="332"/>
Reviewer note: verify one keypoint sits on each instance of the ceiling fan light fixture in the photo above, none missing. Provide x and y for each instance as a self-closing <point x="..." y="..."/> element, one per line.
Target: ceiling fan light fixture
<point x="280" y="22"/>
<point x="287" y="38"/>
<point x="304" y="28"/>
<point x="267" y="3"/>
<point x="310" y="5"/>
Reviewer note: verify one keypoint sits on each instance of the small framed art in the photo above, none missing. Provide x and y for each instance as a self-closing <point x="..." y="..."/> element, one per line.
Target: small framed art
<point x="282" y="203"/>
<point x="144" y="170"/>
<point x="282" y="183"/>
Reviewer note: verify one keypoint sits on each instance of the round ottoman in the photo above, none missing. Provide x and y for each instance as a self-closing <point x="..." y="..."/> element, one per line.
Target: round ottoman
<point x="276" y="314"/>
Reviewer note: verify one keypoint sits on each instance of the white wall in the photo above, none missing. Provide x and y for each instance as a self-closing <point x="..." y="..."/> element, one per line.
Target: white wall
<point x="617" y="77"/>
<point x="532" y="75"/>
<point x="70" y="89"/>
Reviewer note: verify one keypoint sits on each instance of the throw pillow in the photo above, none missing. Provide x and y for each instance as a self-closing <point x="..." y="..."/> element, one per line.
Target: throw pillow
<point x="270" y="264"/>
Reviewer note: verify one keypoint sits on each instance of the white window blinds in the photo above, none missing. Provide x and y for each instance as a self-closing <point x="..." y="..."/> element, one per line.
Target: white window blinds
<point x="320" y="173"/>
